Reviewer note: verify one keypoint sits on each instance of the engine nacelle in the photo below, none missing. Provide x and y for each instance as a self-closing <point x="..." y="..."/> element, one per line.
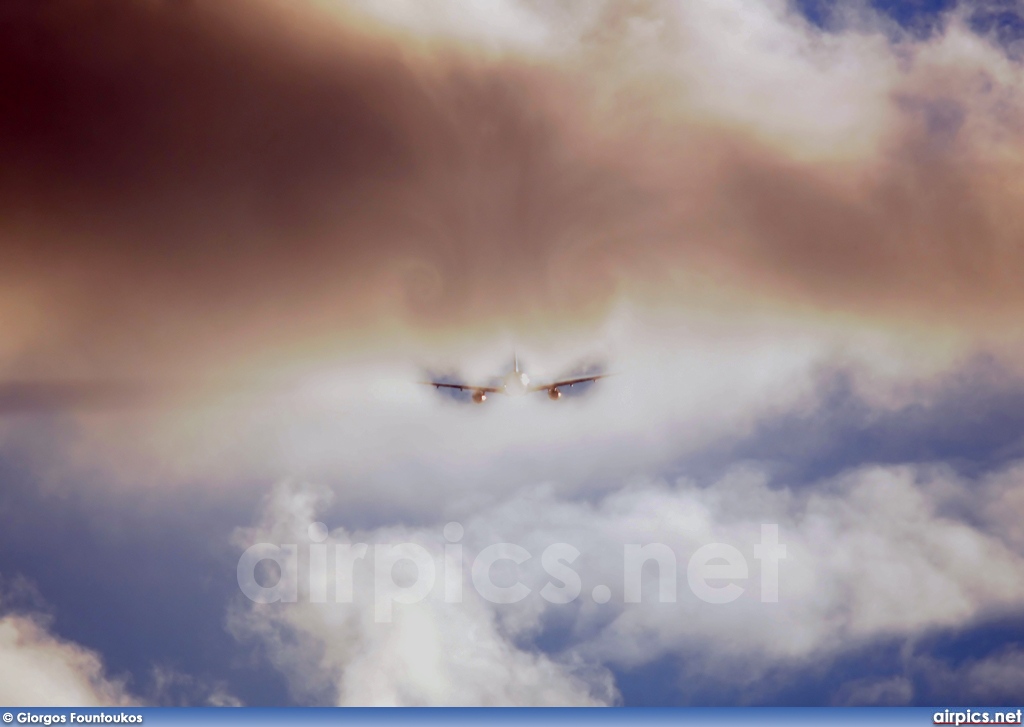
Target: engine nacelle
<point x="479" y="397"/>
<point x="554" y="394"/>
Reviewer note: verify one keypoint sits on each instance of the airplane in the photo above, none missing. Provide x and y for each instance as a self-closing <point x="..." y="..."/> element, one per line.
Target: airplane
<point x="516" y="383"/>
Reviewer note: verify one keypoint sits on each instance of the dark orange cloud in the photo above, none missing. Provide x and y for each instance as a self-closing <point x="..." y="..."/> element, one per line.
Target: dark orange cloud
<point x="182" y="178"/>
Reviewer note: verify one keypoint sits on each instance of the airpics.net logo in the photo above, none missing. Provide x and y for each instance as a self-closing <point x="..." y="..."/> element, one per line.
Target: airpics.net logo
<point x="407" y="573"/>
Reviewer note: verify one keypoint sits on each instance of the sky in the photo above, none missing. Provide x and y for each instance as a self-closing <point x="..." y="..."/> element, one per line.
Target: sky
<point x="236" y="237"/>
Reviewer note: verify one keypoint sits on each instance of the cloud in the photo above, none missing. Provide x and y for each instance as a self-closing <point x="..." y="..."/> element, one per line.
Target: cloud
<point x="992" y="679"/>
<point x="437" y="653"/>
<point x="40" y="668"/>
<point x="171" y="687"/>
<point x="37" y="668"/>
<point x="298" y="188"/>
<point x="262" y="180"/>
<point x="365" y="426"/>
<point x="894" y="691"/>
<point x="869" y="557"/>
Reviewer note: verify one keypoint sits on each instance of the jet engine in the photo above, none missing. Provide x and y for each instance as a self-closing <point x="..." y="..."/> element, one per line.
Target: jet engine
<point x="479" y="397"/>
<point x="554" y="394"/>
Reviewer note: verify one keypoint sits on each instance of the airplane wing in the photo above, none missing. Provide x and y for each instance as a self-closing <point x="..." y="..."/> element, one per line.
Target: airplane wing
<point x="463" y="387"/>
<point x="568" y="382"/>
